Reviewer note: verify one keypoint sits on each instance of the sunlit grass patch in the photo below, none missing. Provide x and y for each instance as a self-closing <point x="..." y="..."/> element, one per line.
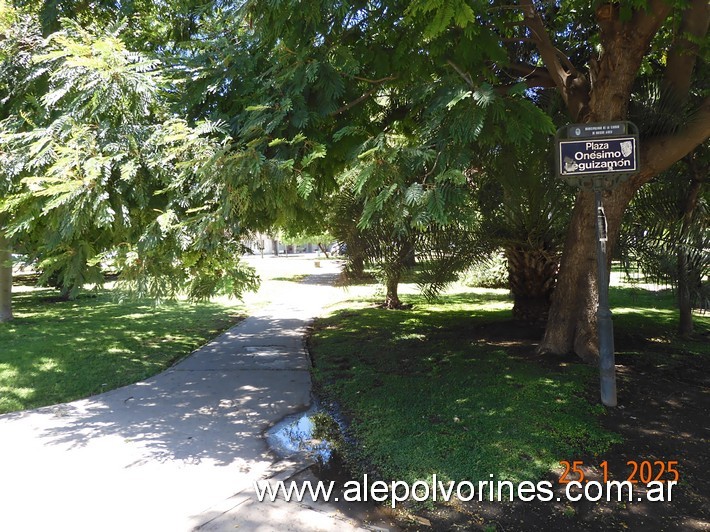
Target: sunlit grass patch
<point x="651" y="317"/>
<point x="56" y="351"/>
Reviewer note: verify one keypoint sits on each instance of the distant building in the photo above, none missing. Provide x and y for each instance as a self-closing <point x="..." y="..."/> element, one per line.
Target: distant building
<point x="266" y="244"/>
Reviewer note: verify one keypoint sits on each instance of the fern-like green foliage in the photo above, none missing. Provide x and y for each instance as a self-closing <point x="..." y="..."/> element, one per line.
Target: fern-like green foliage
<point x="441" y="14"/>
<point x="104" y="177"/>
<point x="656" y="232"/>
<point x="399" y="200"/>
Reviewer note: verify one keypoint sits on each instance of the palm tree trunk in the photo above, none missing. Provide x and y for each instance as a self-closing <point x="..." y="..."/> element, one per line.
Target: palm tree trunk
<point x="531" y="275"/>
<point x="685" y="307"/>
<point x="685" y="325"/>
<point x="392" y="298"/>
<point x="355" y="265"/>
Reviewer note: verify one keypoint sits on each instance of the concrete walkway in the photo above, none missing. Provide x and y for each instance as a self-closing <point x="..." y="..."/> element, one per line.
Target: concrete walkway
<point x="179" y="451"/>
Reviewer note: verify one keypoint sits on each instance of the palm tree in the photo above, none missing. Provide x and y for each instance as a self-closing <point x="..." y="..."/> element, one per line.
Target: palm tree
<point x="525" y="212"/>
<point x="398" y="201"/>
<point x="345" y="214"/>
<point x="667" y="227"/>
<point x="667" y="230"/>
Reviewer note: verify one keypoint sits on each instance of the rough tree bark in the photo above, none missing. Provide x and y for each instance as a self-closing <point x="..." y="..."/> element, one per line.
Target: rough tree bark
<point x="571" y="325"/>
<point x="356" y="266"/>
<point x="531" y="274"/>
<point x="392" y="297"/>
<point x="603" y="95"/>
<point x="572" y="318"/>
<point x="5" y="279"/>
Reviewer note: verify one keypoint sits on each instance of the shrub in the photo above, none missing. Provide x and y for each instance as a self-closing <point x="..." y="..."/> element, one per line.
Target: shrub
<point x="491" y="273"/>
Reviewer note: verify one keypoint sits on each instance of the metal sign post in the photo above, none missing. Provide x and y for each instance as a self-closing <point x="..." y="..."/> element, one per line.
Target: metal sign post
<point x="605" y="325"/>
<point x="598" y="157"/>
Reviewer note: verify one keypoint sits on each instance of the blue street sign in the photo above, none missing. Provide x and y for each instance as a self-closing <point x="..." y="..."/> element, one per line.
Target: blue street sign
<point x="597" y="156"/>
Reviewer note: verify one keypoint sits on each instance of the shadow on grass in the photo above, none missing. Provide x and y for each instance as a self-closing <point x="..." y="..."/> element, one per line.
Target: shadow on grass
<point x="200" y="409"/>
<point x="55" y="351"/>
<point x="454" y="388"/>
<point x="430" y="390"/>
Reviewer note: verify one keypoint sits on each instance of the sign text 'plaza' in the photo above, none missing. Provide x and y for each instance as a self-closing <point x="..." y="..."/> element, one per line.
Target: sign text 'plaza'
<point x="583" y="157"/>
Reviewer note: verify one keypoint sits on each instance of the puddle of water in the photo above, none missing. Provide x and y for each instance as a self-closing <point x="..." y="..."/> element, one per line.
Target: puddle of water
<point x="294" y="434"/>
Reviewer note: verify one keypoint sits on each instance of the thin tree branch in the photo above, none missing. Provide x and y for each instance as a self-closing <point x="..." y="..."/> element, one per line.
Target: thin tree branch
<point x="533" y="76"/>
<point x="461" y="73"/>
<point x="356" y="101"/>
<point x="532" y="72"/>
<point x="375" y="81"/>
<point x="515" y="23"/>
<point x="567" y="63"/>
<point x="428" y="174"/>
<point x="571" y="84"/>
<point x="518" y="39"/>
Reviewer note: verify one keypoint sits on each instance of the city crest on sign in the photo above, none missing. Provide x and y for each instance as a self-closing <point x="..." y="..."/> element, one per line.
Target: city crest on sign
<point x="597" y="154"/>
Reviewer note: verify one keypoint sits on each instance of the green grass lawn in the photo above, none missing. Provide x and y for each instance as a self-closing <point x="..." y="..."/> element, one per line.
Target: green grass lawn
<point x="646" y="324"/>
<point x="57" y="351"/>
<point x="451" y="388"/>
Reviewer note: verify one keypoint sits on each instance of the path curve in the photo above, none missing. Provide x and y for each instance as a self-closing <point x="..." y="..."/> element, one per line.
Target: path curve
<point x="178" y="451"/>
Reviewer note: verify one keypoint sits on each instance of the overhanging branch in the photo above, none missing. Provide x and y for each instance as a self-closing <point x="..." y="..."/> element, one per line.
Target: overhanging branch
<point x="373" y="81"/>
<point x="571" y="83"/>
<point x="461" y="73"/>
<point x="356" y="101"/>
<point x="659" y="153"/>
<point x="534" y="76"/>
<point x="684" y="50"/>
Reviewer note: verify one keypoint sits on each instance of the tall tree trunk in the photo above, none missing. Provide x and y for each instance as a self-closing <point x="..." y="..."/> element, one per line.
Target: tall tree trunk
<point x="603" y="96"/>
<point x="5" y="279"/>
<point x="531" y="275"/>
<point x="410" y="259"/>
<point x="685" y="306"/>
<point x="392" y="298"/>
<point x="395" y="265"/>
<point x="355" y="255"/>
<point x="571" y="325"/>
<point x="356" y="266"/>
